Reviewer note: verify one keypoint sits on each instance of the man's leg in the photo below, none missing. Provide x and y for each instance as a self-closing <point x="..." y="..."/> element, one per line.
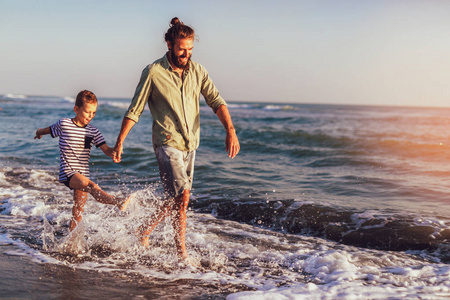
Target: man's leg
<point x="176" y="170"/>
<point x="144" y="231"/>
<point x="79" y="200"/>
<point x="179" y="223"/>
<point x="178" y="208"/>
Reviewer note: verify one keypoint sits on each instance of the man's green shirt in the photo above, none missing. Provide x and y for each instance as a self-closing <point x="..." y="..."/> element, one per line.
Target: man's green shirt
<point x="174" y="102"/>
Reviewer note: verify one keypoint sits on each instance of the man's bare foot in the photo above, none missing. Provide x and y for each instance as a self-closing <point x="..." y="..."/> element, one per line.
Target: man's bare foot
<point x="144" y="241"/>
<point x="123" y="206"/>
<point x="184" y="257"/>
<point x="189" y="262"/>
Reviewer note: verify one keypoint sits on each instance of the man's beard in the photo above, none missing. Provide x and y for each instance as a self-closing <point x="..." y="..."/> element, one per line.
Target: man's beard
<point x="177" y="62"/>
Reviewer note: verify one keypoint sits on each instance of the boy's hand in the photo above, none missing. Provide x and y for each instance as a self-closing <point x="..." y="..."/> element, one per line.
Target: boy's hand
<point x="38" y="134"/>
<point x="107" y="150"/>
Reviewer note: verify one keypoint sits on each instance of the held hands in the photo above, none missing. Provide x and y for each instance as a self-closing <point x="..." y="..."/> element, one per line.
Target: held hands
<point x="127" y="124"/>
<point x="232" y="143"/>
<point x="117" y="153"/>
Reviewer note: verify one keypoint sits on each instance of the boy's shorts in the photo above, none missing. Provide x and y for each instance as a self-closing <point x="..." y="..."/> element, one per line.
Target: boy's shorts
<point x="176" y="169"/>
<point x="67" y="181"/>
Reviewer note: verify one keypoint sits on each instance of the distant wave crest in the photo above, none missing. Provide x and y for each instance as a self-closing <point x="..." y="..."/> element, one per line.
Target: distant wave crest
<point x="392" y="232"/>
<point x="279" y="107"/>
<point x="34" y="98"/>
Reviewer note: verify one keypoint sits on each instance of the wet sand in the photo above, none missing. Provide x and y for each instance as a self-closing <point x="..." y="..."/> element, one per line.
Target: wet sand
<point x="21" y="278"/>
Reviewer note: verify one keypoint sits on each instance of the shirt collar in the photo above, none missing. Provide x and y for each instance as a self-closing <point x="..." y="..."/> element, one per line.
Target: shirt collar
<point x="166" y="62"/>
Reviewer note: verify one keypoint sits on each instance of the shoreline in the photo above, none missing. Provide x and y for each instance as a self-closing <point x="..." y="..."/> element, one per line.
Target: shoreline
<point x="23" y="278"/>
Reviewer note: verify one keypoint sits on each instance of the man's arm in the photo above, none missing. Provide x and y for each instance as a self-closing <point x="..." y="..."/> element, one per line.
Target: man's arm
<point x="42" y="131"/>
<point x="231" y="141"/>
<point x="127" y="124"/>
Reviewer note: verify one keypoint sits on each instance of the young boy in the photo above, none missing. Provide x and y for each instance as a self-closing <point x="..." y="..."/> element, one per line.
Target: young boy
<point x="76" y="137"/>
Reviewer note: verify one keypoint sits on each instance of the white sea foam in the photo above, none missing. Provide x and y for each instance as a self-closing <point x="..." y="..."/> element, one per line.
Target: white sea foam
<point x="41" y="179"/>
<point x="350" y="274"/>
<point x="361" y="218"/>
<point x="22" y="249"/>
<point x="3" y="180"/>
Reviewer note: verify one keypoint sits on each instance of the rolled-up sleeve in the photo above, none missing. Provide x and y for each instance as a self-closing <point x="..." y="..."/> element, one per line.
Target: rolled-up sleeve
<point x="141" y="96"/>
<point x="210" y="92"/>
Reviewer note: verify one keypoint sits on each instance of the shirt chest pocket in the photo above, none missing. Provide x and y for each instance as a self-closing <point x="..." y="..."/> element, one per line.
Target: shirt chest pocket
<point x="191" y="96"/>
<point x="88" y="142"/>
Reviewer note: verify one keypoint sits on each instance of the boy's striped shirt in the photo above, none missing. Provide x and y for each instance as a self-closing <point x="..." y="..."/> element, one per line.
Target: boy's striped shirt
<point x="75" y="145"/>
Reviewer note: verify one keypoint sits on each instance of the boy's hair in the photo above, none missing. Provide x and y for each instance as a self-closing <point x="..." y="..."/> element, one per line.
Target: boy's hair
<point x="178" y="30"/>
<point x="85" y="97"/>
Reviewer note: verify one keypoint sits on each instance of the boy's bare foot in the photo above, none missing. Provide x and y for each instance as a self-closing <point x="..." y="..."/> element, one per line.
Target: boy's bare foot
<point x="123" y="206"/>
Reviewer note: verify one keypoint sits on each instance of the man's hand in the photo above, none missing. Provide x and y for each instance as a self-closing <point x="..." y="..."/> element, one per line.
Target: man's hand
<point x="232" y="143"/>
<point x="117" y="153"/>
<point x="127" y="124"/>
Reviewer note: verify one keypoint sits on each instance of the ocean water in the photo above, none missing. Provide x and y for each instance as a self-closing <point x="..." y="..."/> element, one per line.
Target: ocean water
<point x="322" y="202"/>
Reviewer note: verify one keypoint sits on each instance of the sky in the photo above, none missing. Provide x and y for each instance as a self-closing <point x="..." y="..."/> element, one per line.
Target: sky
<point x="336" y="52"/>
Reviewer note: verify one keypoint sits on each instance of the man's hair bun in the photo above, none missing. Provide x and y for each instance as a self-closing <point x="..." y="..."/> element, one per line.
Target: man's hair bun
<point x="175" y="21"/>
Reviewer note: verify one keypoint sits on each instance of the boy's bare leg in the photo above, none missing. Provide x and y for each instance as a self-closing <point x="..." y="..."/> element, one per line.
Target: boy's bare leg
<point x="82" y="183"/>
<point x="179" y="223"/>
<point x="79" y="200"/>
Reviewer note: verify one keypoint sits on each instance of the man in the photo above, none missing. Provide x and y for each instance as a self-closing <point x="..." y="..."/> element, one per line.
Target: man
<point x="172" y="86"/>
